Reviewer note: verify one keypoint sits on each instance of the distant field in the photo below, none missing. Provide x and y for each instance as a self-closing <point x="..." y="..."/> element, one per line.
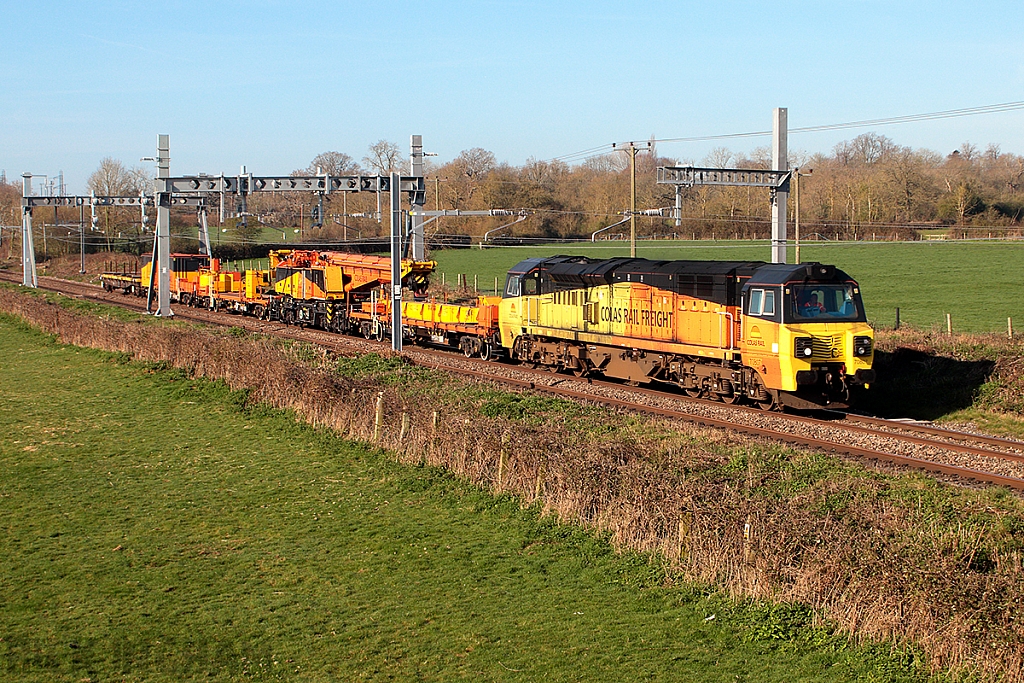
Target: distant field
<point x="978" y="283"/>
<point x="155" y="528"/>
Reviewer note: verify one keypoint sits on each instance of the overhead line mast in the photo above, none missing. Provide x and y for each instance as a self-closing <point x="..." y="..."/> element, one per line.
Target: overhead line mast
<point x="776" y="180"/>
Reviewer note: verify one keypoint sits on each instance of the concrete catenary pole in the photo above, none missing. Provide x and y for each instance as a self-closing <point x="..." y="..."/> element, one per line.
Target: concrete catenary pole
<point x="28" y="247"/>
<point x="163" y="226"/>
<point x="418" y="250"/>
<point x="396" y="262"/>
<point x="204" y="231"/>
<point x="780" y="162"/>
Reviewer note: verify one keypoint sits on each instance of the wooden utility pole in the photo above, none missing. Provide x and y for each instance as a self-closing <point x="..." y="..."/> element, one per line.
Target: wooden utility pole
<point x="633" y="150"/>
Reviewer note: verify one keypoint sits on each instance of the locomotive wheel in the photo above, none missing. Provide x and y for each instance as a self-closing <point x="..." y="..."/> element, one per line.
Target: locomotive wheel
<point x="581" y="370"/>
<point x="467" y="350"/>
<point x="728" y="392"/>
<point x="693" y="392"/>
<point x="486" y="351"/>
<point x="767" y="405"/>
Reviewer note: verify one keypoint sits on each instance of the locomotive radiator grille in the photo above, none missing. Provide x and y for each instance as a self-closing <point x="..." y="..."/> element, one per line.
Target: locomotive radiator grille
<point x="827" y="347"/>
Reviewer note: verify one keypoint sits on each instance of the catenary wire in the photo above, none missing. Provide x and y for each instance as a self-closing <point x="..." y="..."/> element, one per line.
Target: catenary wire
<point x="892" y="120"/>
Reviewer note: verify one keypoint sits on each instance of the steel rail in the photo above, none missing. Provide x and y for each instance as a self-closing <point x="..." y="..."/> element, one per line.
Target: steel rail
<point x="932" y="429"/>
<point x="339" y="342"/>
<point x="775" y="435"/>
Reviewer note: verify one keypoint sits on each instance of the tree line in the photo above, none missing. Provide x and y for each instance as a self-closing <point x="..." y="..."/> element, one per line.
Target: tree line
<point x="869" y="185"/>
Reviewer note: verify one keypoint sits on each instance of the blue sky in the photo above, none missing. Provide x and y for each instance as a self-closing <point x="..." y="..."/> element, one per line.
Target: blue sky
<point x="271" y="84"/>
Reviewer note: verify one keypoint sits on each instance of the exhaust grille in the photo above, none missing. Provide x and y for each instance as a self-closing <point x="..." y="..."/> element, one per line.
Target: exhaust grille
<point x="827" y="348"/>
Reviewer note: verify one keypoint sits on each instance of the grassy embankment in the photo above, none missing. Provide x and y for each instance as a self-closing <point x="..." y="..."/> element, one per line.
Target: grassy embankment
<point x="160" y="527"/>
<point x="881" y="557"/>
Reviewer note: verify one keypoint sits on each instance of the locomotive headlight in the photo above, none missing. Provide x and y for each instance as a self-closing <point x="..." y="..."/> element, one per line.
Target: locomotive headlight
<point x="862" y="346"/>
<point x="803" y="347"/>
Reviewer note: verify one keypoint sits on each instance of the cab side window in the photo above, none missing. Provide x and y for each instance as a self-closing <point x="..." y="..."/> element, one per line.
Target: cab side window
<point x="529" y="286"/>
<point x="756" y="302"/>
<point x="762" y="302"/>
<point x="512" y="286"/>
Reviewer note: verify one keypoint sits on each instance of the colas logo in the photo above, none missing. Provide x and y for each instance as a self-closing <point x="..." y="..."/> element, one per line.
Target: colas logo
<point x="755" y="337"/>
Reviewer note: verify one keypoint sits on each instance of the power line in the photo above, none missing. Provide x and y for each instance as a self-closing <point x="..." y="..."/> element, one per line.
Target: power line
<point x="888" y="121"/>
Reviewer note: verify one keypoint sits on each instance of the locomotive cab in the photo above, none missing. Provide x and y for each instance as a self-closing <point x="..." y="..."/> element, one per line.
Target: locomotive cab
<point x="523" y="281"/>
<point x="806" y="333"/>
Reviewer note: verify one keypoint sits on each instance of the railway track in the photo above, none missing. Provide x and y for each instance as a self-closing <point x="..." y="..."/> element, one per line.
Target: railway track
<point x="960" y="455"/>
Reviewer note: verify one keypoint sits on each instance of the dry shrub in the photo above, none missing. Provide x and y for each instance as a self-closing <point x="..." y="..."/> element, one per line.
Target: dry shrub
<point x="994" y="361"/>
<point x="845" y="546"/>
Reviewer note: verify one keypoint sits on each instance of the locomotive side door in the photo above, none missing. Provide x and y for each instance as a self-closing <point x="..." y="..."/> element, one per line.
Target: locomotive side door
<point x="531" y="292"/>
<point x="761" y="322"/>
<point x="510" y="312"/>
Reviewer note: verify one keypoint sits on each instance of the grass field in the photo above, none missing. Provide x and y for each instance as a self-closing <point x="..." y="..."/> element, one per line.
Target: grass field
<point x="157" y="528"/>
<point x="978" y="283"/>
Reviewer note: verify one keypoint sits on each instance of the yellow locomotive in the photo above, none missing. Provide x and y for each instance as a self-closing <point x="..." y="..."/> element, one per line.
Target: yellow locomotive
<point x="771" y="334"/>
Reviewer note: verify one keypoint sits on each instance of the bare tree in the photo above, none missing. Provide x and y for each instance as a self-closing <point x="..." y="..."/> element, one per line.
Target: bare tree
<point x="968" y="151"/>
<point x="607" y="163"/>
<point x="905" y="172"/>
<point x="719" y="157"/>
<point x="332" y="163"/>
<point x="384" y="158"/>
<point x="114" y="179"/>
<point x="868" y="148"/>
<point x="466" y="172"/>
<point x="759" y="157"/>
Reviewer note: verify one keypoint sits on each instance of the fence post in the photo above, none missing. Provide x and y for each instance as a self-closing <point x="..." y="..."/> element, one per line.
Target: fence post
<point x="475" y="287"/>
<point x="405" y="427"/>
<point x="495" y="285"/>
<point x="684" y="534"/>
<point x="746" y="541"/>
<point x="897" y="318"/>
<point x="378" y="416"/>
<point x="949" y="323"/>
<point x="1009" y="328"/>
<point x="433" y="433"/>
<point x="501" y="459"/>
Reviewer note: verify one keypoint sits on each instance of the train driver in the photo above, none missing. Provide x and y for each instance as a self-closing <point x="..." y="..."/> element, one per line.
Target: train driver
<point x="812" y="307"/>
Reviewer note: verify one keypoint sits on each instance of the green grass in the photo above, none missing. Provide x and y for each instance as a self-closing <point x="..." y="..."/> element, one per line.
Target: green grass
<point x="158" y="528"/>
<point x="978" y="283"/>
